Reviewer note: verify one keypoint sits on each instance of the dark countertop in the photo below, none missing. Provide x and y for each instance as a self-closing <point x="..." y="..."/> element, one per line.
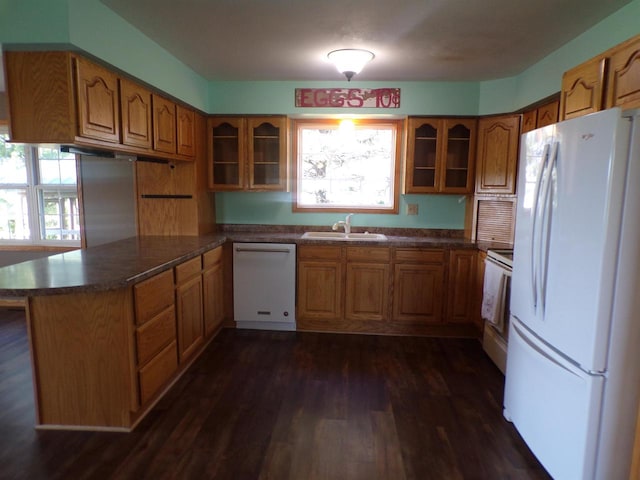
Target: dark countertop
<point x="129" y="261"/>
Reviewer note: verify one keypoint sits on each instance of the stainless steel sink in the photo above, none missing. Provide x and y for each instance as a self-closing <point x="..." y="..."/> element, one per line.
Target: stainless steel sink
<point x="371" y="237"/>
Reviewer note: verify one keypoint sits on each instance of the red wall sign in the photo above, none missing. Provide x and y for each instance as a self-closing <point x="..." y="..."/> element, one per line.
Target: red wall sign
<point x="348" y="97"/>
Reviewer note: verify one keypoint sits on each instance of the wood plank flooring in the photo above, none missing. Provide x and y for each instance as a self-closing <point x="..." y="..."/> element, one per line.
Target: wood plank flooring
<point x="278" y="405"/>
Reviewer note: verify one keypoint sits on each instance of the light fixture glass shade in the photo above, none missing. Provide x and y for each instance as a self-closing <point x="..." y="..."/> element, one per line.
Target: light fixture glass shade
<point x="350" y="61"/>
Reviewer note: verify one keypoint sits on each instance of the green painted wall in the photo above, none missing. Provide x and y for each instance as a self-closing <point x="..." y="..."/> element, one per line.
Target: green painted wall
<point x="90" y="26"/>
<point x="434" y="211"/>
<point x="545" y="77"/>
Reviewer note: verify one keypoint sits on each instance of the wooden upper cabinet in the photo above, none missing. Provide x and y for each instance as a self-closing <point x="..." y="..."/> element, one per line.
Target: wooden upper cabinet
<point x="583" y="89"/>
<point x="267" y="153"/>
<point x="248" y="153"/>
<point x="164" y="125"/>
<point x="424" y="139"/>
<point x="440" y="155"/>
<point x="98" y="105"/>
<point x="623" y="85"/>
<point x="135" y="105"/>
<point x="548" y="114"/>
<point x="226" y="145"/>
<point x="497" y="154"/>
<point x="185" y="131"/>
<point x="542" y="116"/>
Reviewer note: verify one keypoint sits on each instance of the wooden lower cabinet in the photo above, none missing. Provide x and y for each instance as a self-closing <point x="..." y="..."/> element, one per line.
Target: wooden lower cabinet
<point x="213" y="290"/>
<point x="189" y="307"/>
<point x="418" y="286"/>
<point x="320" y="290"/>
<point x="367" y="284"/>
<point x="461" y="303"/>
<point x="375" y="289"/>
<point x="102" y="359"/>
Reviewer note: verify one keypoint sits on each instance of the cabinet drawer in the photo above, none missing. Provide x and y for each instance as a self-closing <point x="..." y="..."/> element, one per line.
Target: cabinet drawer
<point x="156" y="373"/>
<point x="419" y="255"/>
<point x="212" y="257"/>
<point x="368" y="254"/>
<point x="155" y="334"/>
<point x="188" y="269"/>
<point x="320" y="253"/>
<point x="152" y="296"/>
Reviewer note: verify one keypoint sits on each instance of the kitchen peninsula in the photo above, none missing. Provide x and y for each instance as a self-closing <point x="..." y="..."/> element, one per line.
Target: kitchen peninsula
<point x="103" y="323"/>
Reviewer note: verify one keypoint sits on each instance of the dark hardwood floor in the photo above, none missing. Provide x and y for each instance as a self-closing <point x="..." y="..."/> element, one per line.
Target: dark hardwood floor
<point x="274" y="405"/>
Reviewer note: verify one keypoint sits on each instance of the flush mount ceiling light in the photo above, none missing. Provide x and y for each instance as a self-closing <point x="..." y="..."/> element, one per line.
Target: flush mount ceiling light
<point x="350" y="61"/>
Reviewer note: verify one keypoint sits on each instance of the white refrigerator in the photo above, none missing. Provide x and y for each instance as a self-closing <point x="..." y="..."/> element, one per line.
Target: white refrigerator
<point x="573" y="364"/>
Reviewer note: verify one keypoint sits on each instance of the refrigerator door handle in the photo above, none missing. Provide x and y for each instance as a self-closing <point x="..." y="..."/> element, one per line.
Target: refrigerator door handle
<point x="543" y="250"/>
<point x="530" y="340"/>
<point x="534" y="225"/>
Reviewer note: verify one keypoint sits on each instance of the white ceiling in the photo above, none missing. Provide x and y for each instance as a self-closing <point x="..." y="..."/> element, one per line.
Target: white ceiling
<point x="413" y="40"/>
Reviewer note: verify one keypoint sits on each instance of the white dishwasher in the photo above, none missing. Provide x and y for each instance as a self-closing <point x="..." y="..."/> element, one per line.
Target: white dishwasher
<point x="264" y="286"/>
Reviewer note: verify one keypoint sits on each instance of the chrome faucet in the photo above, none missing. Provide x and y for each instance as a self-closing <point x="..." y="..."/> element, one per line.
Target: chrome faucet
<point x="346" y="223"/>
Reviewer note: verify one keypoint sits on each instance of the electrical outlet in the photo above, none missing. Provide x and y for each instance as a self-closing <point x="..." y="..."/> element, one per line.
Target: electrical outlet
<point x="412" y="208"/>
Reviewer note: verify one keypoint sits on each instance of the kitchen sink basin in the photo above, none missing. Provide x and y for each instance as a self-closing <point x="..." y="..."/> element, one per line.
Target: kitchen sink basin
<point x="371" y="237"/>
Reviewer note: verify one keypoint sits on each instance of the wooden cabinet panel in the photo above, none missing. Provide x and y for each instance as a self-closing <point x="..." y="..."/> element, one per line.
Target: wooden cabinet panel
<point x="417" y="296"/>
<point x="497" y="154"/>
<point x="98" y="104"/>
<point x="367" y="291"/>
<point x="582" y="89"/>
<point x="529" y="121"/>
<point x="152" y="296"/>
<point x="213" y="296"/>
<point x="189" y="309"/>
<point x="548" y="114"/>
<point x="248" y="153"/>
<point x="155" y="334"/>
<point x="186" y="141"/>
<point x="155" y="374"/>
<point x="368" y="254"/>
<point x="623" y="86"/>
<point x="41" y="95"/>
<point x="320" y="290"/>
<point x="267" y="153"/>
<point x="164" y="125"/>
<point x="440" y="155"/>
<point x="419" y="255"/>
<point x="226" y="148"/>
<point x="461" y="286"/>
<point x="319" y="253"/>
<point x="188" y="269"/>
<point x="135" y="105"/>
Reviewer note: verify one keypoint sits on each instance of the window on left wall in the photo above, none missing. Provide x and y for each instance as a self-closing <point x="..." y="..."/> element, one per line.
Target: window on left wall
<point x="38" y="195"/>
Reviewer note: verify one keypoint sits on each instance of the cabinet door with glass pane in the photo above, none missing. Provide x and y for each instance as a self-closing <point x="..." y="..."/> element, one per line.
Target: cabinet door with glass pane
<point x="458" y="155"/>
<point x="423" y="150"/>
<point x="227" y="141"/>
<point x="267" y="153"/>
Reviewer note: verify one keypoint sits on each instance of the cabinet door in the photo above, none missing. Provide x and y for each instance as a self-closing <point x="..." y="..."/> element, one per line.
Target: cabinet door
<point x="458" y="156"/>
<point x="135" y="104"/>
<point x="497" y="154"/>
<point x="424" y="147"/>
<point x="213" y="293"/>
<point x="417" y="295"/>
<point x="164" y="125"/>
<point x="319" y="290"/>
<point x="529" y="121"/>
<point x="461" y="286"/>
<point x="582" y="89"/>
<point x="227" y="145"/>
<point x="547" y="114"/>
<point x="190" y="318"/>
<point x="623" y="86"/>
<point x="367" y="291"/>
<point x="267" y="153"/>
<point x="98" y="105"/>
<point x="186" y="138"/>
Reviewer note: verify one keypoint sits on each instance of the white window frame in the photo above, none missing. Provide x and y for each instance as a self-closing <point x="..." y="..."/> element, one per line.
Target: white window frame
<point x="394" y="123"/>
<point x="33" y="188"/>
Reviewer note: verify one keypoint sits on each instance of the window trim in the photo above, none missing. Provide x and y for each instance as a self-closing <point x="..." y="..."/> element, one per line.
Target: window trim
<point x="395" y="123"/>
